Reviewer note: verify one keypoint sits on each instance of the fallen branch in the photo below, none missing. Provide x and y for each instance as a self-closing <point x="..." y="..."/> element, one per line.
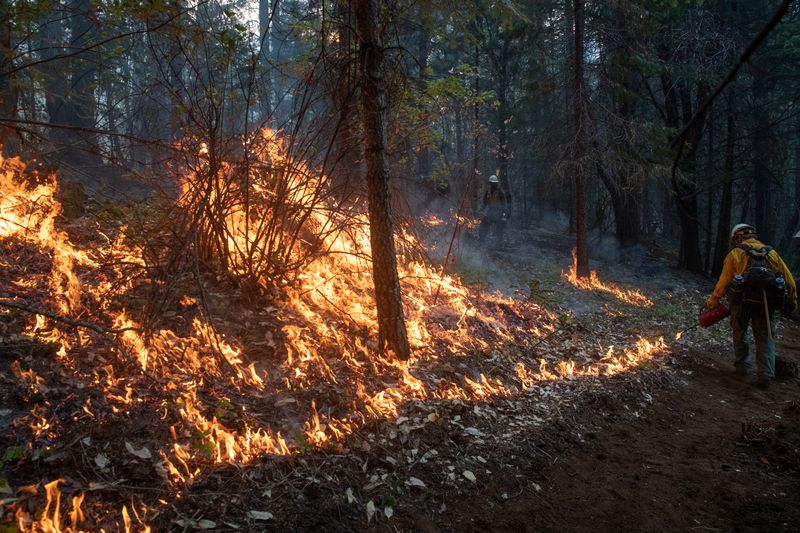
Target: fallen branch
<point x="66" y="320"/>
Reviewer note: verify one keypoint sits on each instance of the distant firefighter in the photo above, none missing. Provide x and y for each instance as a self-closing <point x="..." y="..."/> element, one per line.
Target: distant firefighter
<point x="495" y="206"/>
<point x="759" y="285"/>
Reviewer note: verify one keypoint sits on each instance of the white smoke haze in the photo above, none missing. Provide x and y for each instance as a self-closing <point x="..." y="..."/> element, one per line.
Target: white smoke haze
<point x="536" y="254"/>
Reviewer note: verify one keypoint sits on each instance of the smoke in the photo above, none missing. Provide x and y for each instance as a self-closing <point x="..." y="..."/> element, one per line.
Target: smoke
<point x="533" y="257"/>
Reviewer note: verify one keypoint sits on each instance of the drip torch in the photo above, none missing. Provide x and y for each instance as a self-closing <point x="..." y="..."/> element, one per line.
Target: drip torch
<point x="707" y="317"/>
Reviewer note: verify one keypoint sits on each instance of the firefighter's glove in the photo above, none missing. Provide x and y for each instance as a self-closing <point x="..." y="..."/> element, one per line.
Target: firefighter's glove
<point x="712" y="302"/>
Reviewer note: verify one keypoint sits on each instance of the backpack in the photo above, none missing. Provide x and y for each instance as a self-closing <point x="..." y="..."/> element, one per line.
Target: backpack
<point x="759" y="280"/>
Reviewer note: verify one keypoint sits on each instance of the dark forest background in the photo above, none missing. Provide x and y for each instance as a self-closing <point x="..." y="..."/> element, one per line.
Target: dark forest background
<point x="118" y="94"/>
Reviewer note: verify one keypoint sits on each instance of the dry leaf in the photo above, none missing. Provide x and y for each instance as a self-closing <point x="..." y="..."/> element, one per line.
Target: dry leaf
<point x="349" y="494"/>
<point x="101" y="460"/>
<point x="285" y="401"/>
<point x="260" y="515"/>
<point x="415" y="482"/>
<point x="143" y="453"/>
<point x="469" y="475"/>
<point x="370" y="511"/>
<point x="388" y="511"/>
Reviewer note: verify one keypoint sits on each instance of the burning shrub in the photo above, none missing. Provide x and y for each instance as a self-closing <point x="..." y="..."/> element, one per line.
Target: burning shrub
<point x="260" y="218"/>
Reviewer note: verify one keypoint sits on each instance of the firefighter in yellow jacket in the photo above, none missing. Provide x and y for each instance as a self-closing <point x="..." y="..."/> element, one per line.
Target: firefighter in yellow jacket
<point x="761" y="315"/>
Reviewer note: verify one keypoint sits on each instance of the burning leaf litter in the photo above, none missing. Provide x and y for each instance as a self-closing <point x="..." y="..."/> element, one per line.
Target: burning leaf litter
<point x="593" y="283"/>
<point x="214" y="405"/>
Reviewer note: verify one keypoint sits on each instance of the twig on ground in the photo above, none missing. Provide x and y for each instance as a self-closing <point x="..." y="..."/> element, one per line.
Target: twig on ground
<point x="66" y="320"/>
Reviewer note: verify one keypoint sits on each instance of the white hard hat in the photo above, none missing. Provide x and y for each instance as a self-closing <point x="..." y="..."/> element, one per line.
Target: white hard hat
<point x="494" y="179"/>
<point x="742" y="229"/>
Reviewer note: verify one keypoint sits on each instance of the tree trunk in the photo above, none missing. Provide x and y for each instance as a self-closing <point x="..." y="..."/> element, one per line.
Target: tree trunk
<point x="424" y="157"/>
<point x="347" y="140"/>
<point x="581" y="241"/>
<point x="391" y="325"/>
<point x="762" y="179"/>
<point x="265" y="16"/>
<point x="722" y="244"/>
<point x="8" y="92"/>
<point x="686" y="188"/>
<point x="710" y="199"/>
<point x="81" y="108"/>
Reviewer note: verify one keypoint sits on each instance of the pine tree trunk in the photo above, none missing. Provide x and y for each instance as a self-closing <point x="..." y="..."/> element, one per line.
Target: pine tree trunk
<point x="424" y="158"/>
<point x="391" y="325"/>
<point x="8" y="93"/>
<point x="581" y="241"/>
<point x="722" y="244"/>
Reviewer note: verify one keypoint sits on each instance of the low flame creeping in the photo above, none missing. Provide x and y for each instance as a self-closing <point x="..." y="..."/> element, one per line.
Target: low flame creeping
<point x="593" y="283"/>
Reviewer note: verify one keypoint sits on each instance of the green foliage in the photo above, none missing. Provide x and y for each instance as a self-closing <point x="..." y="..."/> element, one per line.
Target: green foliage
<point x="11" y="455"/>
<point x="224" y="406"/>
<point x="203" y="443"/>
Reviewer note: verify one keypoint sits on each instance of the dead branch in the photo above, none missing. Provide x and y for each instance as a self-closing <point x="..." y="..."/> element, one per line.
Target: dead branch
<point x="776" y="18"/>
<point x="66" y="320"/>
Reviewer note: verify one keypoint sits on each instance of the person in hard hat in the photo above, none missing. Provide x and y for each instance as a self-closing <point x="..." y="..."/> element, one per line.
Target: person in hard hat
<point x="762" y="318"/>
<point x="495" y="210"/>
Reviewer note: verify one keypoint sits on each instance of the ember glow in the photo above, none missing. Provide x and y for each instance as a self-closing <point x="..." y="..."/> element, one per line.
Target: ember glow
<point x="593" y="283"/>
<point x="213" y="401"/>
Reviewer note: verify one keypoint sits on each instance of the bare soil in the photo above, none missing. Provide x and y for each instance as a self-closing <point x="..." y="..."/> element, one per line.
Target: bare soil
<point x="711" y="453"/>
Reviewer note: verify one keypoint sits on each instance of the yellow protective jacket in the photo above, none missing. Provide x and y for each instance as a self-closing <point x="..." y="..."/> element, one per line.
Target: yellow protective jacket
<point x="736" y="263"/>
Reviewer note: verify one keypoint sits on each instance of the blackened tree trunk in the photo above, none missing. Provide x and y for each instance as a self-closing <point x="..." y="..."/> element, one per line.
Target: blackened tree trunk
<point x="685" y="186"/>
<point x="623" y="185"/>
<point x="762" y="179"/>
<point x="391" y="325"/>
<point x="722" y="243"/>
<point x="581" y="241"/>
<point x="710" y="172"/>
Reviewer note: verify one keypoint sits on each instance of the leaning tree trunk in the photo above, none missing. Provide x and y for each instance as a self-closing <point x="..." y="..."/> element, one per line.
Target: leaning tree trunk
<point x="581" y="241"/>
<point x="391" y="326"/>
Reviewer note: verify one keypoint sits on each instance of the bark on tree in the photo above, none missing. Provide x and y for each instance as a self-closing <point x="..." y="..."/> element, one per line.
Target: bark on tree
<point x="581" y="242"/>
<point x="709" y="252"/>
<point x="8" y="91"/>
<point x="424" y="158"/>
<point x="623" y="185"/>
<point x="347" y="139"/>
<point x="722" y="243"/>
<point x="373" y="98"/>
<point x="762" y="178"/>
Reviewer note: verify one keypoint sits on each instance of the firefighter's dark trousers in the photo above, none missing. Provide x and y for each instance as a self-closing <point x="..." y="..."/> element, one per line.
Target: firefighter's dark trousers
<point x="741" y="318"/>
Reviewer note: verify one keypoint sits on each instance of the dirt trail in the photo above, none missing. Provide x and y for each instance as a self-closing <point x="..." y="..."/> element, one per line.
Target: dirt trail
<point x="712" y="454"/>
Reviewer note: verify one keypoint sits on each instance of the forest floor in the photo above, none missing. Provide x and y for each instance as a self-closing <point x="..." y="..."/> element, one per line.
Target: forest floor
<point x="676" y="442"/>
<point x="692" y="448"/>
<point x="710" y="452"/>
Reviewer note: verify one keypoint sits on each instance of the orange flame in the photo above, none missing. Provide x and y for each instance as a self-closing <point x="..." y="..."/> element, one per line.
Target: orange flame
<point x="329" y="328"/>
<point x="593" y="283"/>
